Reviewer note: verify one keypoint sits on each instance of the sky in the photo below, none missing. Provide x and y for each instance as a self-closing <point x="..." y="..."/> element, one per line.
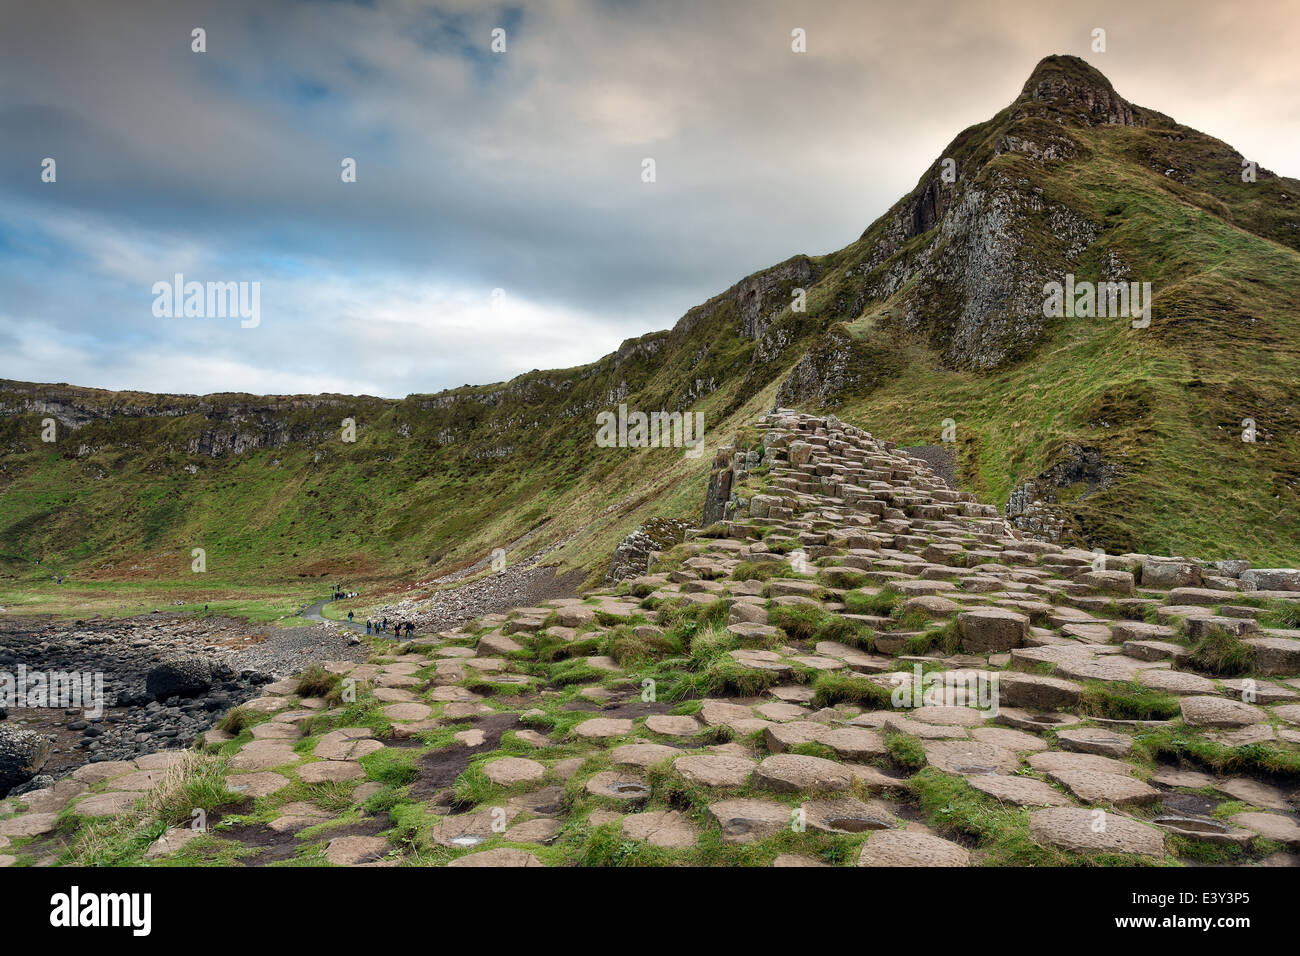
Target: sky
<point x="500" y="220"/>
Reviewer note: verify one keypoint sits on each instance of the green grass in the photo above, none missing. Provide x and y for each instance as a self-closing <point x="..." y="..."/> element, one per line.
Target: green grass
<point x="1222" y="653"/>
<point x="1185" y="744"/>
<point x="1132" y="701"/>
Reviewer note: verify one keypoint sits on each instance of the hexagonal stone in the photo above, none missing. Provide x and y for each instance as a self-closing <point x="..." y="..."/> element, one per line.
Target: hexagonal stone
<point x="52" y="799"/>
<point x="967" y="757"/>
<point x="1254" y="792"/>
<point x="160" y="760"/>
<point x="744" y="821"/>
<point x="791" y="773"/>
<point x="1092" y="831"/>
<point x="781" y="737"/>
<point x="763" y="661"/>
<point x="601" y="727"/>
<point x="505" y="856"/>
<point x="855" y="743"/>
<point x="777" y="710"/>
<point x="256" y="784"/>
<point x="793" y="693"/>
<point x="1244" y="736"/>
<point x="989" y="630"/>
<point x="470" y="829"/>
<point x="540" y="830"/>
<point x="665" y="828"/>
<point x="262" y="755"/>
<point x="907" y="848"/>
<point x="1278" y="653"/>
<point x="93" y="773"/>
<point x="1022" y="791"/>
<point x="931" y="605"/>
<point x="171" y="841"/>
<point x="1171" y="777"/>
<point x="265" y="705"/>
<point x="1154" y="650"/>
<point x="642" y="755"/>
<point x="509" y="771"/>
<point x="297" y="815"/>
<point x="751" y="632"/>
<point x="899" y="724"/>
<point x="715" y="770"/>
<point x="1176" y="682"/>
<point x="1037" y="692"/>
<point x="794" y="859"/>
<point x="672" y="726"/>
<point x="1054" y="760"/>
<point x="849" y="815"/>
<point x="276" y="730"/>
<point x="1219" y="712"/>
<point x="1111" y="582"/>
<point x="1271" y="826"/>
<point x="1114" y="667"/>
<point x="1117" y="789"/>
<point x="618" y="786"/>
<point x="1022" y="719"/>
<point x="1017" y="741"/>
<point x="720" y="712"/>
<point x="140" y="780"/>
<point x="34" y="824"/>
<point x="107" y="804"/>
<point x="330" y="771"/>
<point x="1095" y="740"/>
<point x="408" y="711"/>
<point x="949" y="716"/>
<point x="347" y="743"/>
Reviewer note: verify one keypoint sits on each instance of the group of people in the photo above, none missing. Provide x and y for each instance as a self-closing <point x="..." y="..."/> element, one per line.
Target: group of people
<point x="375" y="627"/>
<point x="381" y="627"/>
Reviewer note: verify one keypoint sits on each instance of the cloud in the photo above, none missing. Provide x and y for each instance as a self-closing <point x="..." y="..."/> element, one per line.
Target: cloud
<point x="519" y="171"/>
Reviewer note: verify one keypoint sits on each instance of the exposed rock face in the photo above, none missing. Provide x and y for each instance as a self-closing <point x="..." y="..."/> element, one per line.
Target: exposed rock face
<point x="22" y="755"/>
<point x="632" y="556"/>
<point x="756" y="300"/>
<point x="1032" y="506"/>
<point x="1067" y="89"/>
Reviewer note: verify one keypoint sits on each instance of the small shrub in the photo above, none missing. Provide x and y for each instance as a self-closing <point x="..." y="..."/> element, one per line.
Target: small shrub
<point x="316" y="681"/>
<point x="1223" y="653"/>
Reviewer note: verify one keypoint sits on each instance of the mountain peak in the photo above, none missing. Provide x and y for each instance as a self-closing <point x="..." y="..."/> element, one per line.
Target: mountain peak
<point x="1073" y="88"/>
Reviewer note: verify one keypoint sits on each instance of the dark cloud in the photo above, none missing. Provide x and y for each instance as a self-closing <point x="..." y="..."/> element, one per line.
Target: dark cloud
<point x="518" y="171"/>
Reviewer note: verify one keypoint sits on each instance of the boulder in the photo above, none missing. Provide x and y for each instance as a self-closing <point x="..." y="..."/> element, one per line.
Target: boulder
<point x="179" y="677"/>
<point x="1085" y="831"/>
<point x="1205" y="711"/>
<point x="908" y="848"/>
<point x="991" y="630"/>
<point x="1166" y="574"/>
<point x="22" y="754"/>
<point x="1271" y="579"/>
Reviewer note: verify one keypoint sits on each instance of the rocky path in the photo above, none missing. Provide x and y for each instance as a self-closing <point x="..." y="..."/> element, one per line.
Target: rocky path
<point x="314" y="612"/>
<point x="857" y="665"/>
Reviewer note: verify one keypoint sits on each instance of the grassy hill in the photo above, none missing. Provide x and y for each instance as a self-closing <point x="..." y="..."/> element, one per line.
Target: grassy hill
<point x="1131" y="435"/>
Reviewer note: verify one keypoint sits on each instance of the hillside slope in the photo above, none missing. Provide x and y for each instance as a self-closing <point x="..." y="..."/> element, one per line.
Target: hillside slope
<point x="1098" y="433"/>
